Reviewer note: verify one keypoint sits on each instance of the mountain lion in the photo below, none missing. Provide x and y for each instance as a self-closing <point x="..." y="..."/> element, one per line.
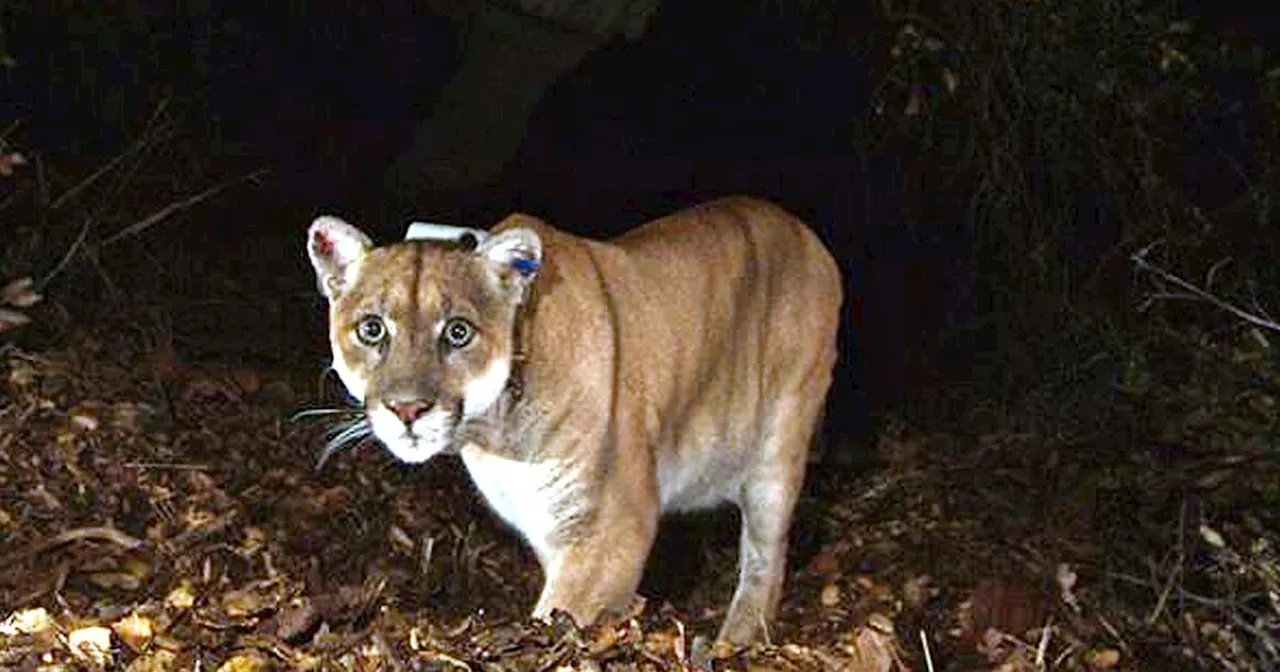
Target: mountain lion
<point x="589" y="386"/>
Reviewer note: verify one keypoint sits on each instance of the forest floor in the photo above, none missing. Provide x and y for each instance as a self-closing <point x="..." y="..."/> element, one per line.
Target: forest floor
<point x="167" y="513"/>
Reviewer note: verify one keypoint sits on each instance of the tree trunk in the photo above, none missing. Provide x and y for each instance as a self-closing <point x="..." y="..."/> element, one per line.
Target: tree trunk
<point x="510" y="59"/>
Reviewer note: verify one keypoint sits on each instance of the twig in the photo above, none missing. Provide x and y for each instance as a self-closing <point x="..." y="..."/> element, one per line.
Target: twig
<point x="167" y="465"/>
<point x="1213" y="272"/>
<point x="1045" y="633"/>
<point x="140" y="144"/>
<point x="928" y="657"/>
<point x="424" y="559"/>
<point x="107" y="282"/>
<point x="1064" y="655"/>
<point x="1226" y="606"/>
<point x="185" y="540"/>
<point x="165" y="212"/>
<point x="99" y="532"/>
<point x="388" y="654"/>
<point x="96" y="175"/>
<point x="1140" y="260"/>
<point x="437" y="655"/>
<point x="1257" y="307"/>
<point x="66" y="258"/>
<point x="1111" y="630"/>
<point x="1168" y="296"/>
<point x="1163" y="598"/>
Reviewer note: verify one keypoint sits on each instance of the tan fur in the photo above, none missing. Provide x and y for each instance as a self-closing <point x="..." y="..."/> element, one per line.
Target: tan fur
<point x="677" y="367"/>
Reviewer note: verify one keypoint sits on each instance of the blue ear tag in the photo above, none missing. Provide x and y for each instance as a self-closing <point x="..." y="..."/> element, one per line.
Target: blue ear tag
<point x="526" y="267"/>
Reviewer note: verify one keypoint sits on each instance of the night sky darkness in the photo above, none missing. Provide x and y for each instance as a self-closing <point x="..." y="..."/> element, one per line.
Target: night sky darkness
<point x="692" y="110"/>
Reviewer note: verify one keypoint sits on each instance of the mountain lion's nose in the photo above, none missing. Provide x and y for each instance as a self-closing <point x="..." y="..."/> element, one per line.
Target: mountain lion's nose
<point x="408" y="411"/>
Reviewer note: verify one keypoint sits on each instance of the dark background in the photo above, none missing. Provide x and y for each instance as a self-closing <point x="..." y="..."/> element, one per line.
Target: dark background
<point x="747" y="102"/>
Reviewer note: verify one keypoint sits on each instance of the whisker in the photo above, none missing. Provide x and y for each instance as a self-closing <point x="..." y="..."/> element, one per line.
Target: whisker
<point x="339" y="430"/>
<point x="312" y="412"/>
<point x="344" y="432"/>
<point x="341" y="436"/>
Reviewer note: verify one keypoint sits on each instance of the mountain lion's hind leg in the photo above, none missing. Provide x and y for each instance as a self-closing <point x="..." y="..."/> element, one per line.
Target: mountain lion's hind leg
<point x="766" y="502"/>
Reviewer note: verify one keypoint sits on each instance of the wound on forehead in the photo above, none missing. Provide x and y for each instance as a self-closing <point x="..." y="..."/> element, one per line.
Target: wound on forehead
<point x="324" y="243"/>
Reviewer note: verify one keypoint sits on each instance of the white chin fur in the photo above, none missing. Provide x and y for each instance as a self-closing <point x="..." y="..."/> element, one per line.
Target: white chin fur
<point x="485" y="390"/>
<point x="428" y="436"/>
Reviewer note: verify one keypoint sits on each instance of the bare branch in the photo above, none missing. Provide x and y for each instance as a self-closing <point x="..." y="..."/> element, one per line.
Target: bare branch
<point x="163" y="213"/>
<point x="1140" y="260"/>
<point x="68" y="255"/>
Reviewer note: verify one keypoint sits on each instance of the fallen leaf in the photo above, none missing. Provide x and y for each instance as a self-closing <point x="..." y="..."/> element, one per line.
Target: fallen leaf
<point x="296" y="618"/>
<point x="830" y="595"/>
<point x="181" y="597"/>
<point x="134" y="417"/>
<point x="135" y="631"/>
<point x="153" y="661"/>
<point x="245" y="602"/>
<point x="10" y="160"/>
<point x="91" y="644"/>
<point x="85" y="422"/>
<point x="26" y="622"/>
<point x="12" y="319"/>
<point x="1103" y="660"/>
<point x="917" y="590"/>
<point x="1066" y="577"/>
<point x="1212" y="536"/>
<point x="247" y="661"/>
<point x="168" y="642"/>
<point x="116" y="580"/>
<point x="880" y="623"/>
<point x="665" y="643"/>
<point x="1005" y="604"/>
<point x="871" y="649"/>
<point x="21" y="374"/>
<point x="18" y="293"/>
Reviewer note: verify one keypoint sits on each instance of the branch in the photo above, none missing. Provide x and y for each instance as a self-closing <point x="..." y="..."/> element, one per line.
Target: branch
<point x="1192" y="291"/>
<point x="165" y="212"/>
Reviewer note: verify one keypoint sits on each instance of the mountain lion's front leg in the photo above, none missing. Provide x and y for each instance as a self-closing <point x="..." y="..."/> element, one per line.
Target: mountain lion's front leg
<point x="597" y="574"/>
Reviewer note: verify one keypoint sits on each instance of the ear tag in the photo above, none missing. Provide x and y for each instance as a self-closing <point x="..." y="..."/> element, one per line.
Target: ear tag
<point x="526" y="267"/>
<point x="452" y="234"/>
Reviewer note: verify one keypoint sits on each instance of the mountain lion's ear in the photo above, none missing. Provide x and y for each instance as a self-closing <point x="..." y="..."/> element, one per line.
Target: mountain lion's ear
<point x="516" y="253"/>
<point x="333" y="246"/>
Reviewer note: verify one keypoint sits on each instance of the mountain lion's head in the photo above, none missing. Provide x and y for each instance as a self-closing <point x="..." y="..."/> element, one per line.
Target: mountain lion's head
<point x="422" y="332"/>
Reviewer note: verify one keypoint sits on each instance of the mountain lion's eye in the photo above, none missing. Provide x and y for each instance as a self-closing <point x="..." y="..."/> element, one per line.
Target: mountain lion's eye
<point x="371" y="330"/>
<point x="458" y="332"/>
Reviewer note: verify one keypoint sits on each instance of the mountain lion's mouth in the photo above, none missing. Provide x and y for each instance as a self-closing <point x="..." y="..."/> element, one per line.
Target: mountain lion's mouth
<point x="418" y="441"/>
